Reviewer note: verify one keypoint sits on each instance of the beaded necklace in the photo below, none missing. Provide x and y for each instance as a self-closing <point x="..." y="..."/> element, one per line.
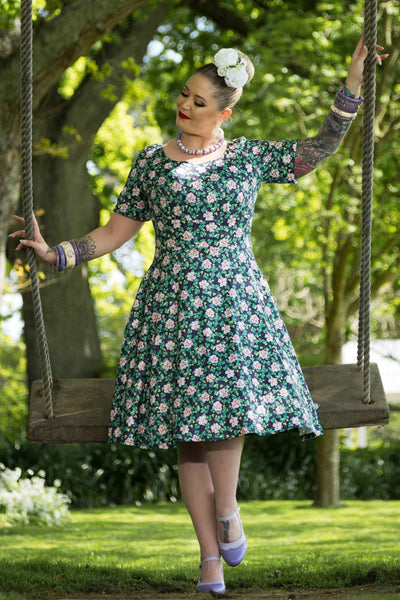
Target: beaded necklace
<point x="202" y="152"/>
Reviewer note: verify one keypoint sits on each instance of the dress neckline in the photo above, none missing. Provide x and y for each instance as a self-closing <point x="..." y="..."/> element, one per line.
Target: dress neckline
<point x="191" y="162"/>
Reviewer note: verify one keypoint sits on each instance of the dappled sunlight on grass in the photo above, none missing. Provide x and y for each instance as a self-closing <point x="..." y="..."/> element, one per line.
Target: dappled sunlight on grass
<point x="121" y="535"/>
<point x="301" y="541"/>
<point x="290" y="544"/>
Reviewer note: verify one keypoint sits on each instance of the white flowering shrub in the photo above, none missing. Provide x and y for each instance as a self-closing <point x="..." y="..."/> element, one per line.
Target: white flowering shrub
<point x="24" y="500"/>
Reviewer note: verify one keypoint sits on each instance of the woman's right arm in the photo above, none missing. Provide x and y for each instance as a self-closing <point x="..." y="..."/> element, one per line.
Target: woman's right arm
<point x="98" y="242"/>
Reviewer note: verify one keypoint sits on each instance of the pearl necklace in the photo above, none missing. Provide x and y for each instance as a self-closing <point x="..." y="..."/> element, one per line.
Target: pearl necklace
<point x="198" y="152"/>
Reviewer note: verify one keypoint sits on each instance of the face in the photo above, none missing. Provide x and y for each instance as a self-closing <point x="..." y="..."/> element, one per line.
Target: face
<point x="197" y="112"/>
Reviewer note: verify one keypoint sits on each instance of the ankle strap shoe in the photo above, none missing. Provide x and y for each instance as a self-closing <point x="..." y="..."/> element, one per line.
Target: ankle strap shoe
<point x="233" y="552"/>
<point x="218" y="586"/>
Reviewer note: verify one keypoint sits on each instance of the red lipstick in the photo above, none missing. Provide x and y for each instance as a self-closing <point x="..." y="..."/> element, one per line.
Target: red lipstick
<point x="182" y="116"/>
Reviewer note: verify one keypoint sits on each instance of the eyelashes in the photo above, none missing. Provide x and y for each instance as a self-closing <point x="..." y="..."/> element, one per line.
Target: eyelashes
<point x="185" y="95"/>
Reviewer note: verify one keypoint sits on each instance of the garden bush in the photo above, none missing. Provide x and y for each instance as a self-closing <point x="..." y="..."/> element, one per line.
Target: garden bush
<point x="102" y="474"/>
<point x="275" y="467"/>
<point x="278" y="467"/>
<point x="13" y="387"/>
<point x="99" y="474"/>
<point x="371" y="473"/>
<point x="24" y="500"/>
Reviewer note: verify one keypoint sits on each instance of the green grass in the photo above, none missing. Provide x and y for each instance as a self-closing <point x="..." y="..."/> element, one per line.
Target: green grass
<point x="127" y="549"/>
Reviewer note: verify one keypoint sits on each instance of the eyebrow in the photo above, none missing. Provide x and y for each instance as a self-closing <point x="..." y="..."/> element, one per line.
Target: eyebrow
<point x="197" y="96"/>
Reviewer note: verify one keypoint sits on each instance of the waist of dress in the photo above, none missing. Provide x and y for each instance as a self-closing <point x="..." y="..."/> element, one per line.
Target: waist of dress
<point x="201" y="249"/>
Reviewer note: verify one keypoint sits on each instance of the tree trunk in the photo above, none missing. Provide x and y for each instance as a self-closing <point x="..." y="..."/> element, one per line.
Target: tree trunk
<point x="62" y="191"/>
<point x="328" y="458"/>
<point x="71" y="329"/>
<point x="328" y="452"/>
<point x="9" y="179"/>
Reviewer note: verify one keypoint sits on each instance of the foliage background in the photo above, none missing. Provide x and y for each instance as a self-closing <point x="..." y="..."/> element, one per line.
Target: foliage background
<point x="301" y="236"/>
<point x="273" y="468"/>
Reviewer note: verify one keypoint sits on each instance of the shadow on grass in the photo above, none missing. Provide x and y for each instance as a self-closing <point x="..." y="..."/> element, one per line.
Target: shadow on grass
<point x="35" y="578"/>
<point x="38" y="579"/>
<point x="153" y="548"/>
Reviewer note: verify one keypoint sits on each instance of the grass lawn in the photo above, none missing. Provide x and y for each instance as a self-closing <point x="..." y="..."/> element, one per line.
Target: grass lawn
<point x="134" y="549"/>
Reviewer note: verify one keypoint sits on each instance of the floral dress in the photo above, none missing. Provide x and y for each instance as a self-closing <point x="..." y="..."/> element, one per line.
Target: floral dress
<point x="206" y="355"/>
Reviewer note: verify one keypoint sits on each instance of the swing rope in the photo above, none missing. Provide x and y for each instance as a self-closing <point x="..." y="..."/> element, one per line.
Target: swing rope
<point x="363" y="351"/>
<point x="27" y="196"/>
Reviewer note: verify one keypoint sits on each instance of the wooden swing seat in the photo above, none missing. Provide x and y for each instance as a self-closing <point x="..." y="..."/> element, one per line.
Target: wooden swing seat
<point x="82" y="406"/>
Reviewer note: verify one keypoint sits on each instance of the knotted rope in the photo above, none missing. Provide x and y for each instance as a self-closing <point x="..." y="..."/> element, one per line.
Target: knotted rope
<point x="27" y="195"/>
<point x="363" y="352"/>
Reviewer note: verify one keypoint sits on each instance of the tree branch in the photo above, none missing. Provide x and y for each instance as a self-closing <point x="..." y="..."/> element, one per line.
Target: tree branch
<point x="378" y="283"/>
<point x="222" y="16"/>
<point x="133" y="43"/>
<point x="60" y="42"/>
<point x="118" y="264"/>
<point x="262" y="4"/>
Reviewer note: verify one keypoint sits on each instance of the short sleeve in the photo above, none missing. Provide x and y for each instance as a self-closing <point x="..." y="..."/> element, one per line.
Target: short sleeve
<point x="132" y="201"/>
<point x="275" y="161"/>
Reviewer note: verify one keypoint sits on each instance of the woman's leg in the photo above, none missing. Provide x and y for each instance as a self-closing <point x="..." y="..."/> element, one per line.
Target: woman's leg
<point x="208" y="475"/>
<point x="223" y="459"/>
<point x="198" y="494"/>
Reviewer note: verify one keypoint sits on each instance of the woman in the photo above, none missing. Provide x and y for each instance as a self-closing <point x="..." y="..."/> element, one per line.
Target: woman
<point x="206" y="358"/>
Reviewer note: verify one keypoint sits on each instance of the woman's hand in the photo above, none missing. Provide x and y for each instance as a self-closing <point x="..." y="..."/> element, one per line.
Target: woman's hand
<point x="42" y="250"/>
<point x="356" y="68"/>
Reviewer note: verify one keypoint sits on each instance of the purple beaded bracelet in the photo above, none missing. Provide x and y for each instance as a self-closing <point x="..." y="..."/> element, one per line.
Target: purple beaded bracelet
<point x="61" y="260"/>
<point x="345" y="107"/>
<point x="56" y="266"/>
<point x="346" y="103"/>
<point x="78" y="256"/>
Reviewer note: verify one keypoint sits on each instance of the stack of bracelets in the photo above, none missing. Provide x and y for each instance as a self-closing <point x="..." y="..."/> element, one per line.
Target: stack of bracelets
<point x="68" y="255"/>
<point x="345" y="105"/>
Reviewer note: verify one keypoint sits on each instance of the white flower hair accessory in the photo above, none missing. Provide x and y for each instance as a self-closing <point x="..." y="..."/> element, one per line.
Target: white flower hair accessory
<point x="232" y="67"/>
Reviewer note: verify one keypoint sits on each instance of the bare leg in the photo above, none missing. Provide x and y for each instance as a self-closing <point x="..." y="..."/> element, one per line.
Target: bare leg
<point x="223" y="458"/>
<point x="208" y="475"/>
<point x="198" y="494"/>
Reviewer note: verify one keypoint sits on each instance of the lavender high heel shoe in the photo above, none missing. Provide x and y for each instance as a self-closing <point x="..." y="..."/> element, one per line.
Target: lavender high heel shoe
<point x="217" y="586"/>
<point x="233" y="552"/>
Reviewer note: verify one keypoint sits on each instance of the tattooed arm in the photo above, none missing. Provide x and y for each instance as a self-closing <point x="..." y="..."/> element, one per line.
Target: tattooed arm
<point x="111" y="236"/>
<point x="102" y="240"/>
<point x="312" y="151"/>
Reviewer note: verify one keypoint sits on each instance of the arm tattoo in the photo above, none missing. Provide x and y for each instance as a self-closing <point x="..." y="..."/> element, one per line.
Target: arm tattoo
<point x="87" y="247"/>
<point x="312" y="151"/>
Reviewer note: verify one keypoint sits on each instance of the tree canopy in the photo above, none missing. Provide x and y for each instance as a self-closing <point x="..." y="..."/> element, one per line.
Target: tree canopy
<point x="106" y="75"/>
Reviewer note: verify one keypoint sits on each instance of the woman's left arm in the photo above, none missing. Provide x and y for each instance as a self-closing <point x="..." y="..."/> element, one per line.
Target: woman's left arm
<point x="312" y="151"/>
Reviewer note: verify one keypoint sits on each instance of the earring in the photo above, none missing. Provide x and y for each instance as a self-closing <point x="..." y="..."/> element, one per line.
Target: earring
<point x="217" y="132"/>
